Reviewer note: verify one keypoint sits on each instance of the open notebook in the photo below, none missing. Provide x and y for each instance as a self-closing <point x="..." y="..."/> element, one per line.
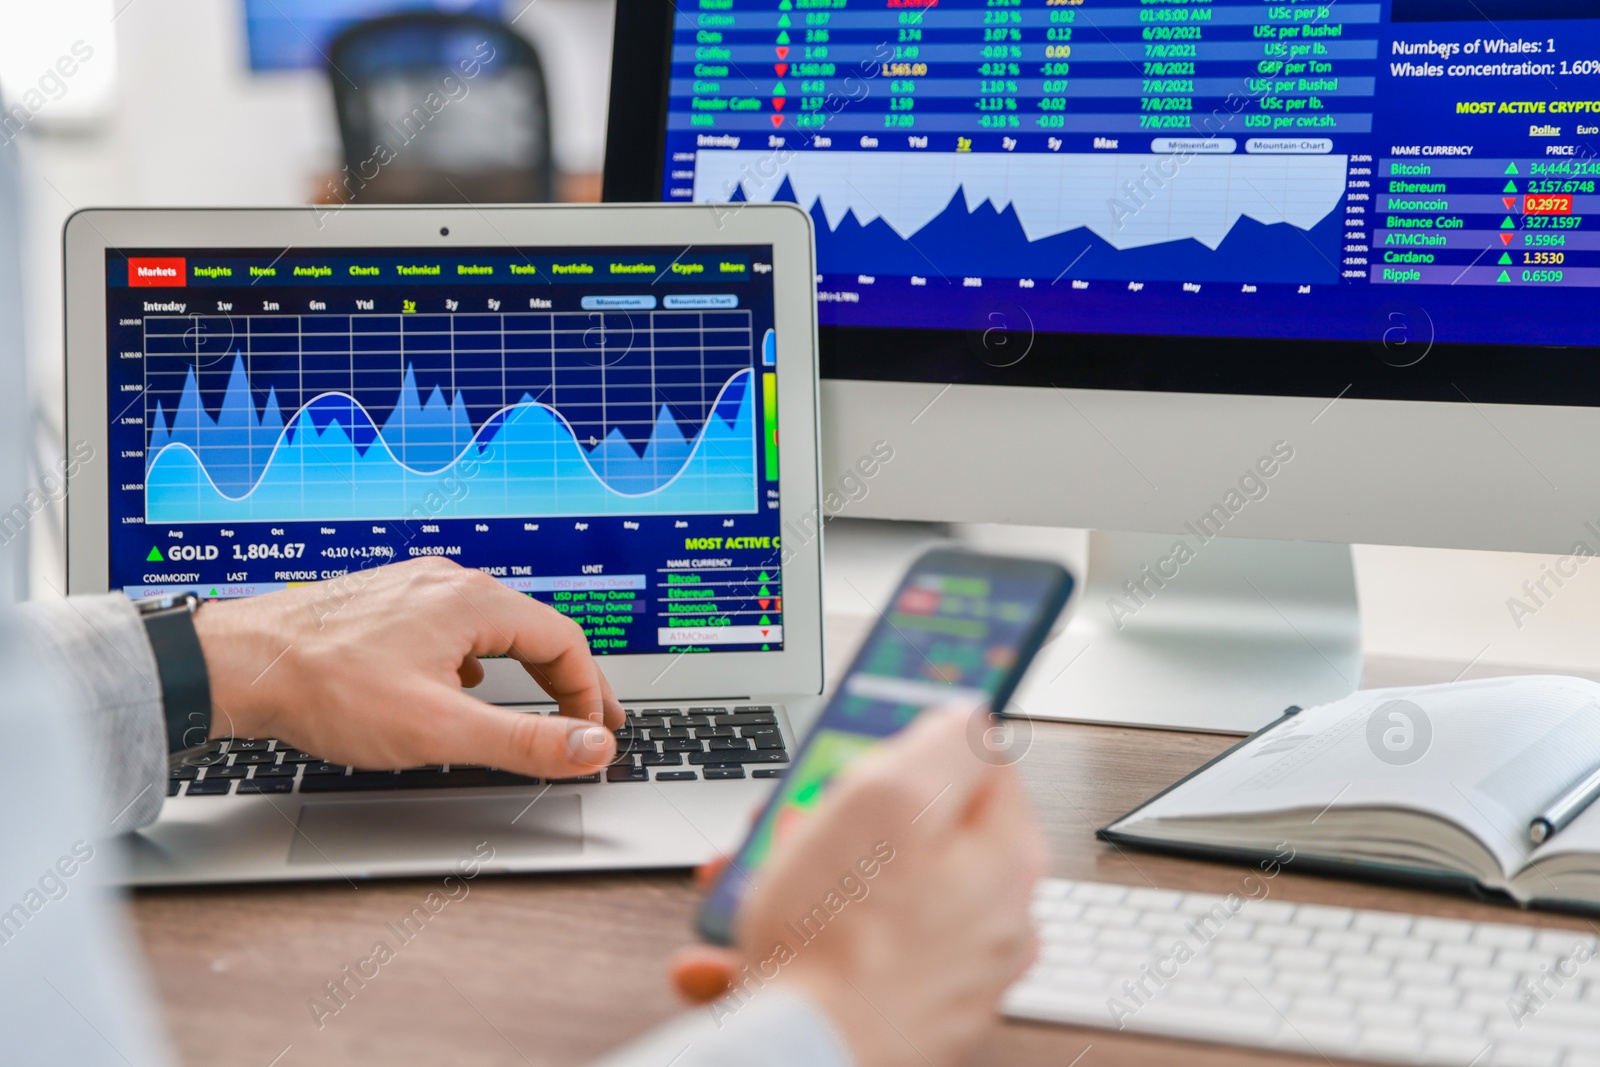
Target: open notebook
<point x="1427" y="783"/>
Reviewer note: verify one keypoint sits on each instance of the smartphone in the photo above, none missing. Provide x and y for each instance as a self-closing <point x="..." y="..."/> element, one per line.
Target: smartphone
<point x="962" y="628"/>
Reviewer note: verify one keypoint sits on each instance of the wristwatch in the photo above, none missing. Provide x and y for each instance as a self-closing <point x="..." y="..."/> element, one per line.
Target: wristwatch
<point x="181" y="667"/>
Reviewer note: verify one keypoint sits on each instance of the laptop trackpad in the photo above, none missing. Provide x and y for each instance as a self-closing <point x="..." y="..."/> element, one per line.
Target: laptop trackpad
<point x="436" y="829"/>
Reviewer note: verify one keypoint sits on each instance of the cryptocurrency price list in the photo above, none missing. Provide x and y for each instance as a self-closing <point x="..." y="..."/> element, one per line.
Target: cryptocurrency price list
<point x="1494" y="222"/>
<point x="699" y="602"/>
<point x="713" y="595"/>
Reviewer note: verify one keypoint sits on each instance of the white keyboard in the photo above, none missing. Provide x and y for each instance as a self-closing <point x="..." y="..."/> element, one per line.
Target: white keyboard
<point x="1330" y="982"/>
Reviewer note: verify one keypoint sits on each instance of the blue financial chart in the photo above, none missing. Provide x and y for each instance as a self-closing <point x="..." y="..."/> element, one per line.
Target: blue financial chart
<point x="1188" y="168"/>
<point x="594" y="427"/>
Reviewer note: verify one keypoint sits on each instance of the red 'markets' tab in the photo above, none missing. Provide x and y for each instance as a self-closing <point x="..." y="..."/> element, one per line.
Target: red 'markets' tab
<point x="151" y="270"/>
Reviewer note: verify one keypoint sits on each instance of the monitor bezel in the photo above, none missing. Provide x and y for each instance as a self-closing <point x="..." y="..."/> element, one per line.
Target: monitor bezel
<point x="796" y="669"/>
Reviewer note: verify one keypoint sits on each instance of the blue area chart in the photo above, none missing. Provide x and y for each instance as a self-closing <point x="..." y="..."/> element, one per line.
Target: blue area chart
<point x="330" y="460"/>
<point x="1045" y="217"/>
<point x="991" y="244"/>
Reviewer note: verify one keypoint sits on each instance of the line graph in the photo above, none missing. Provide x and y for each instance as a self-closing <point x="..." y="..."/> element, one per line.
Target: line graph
<point x="1201" y="198"/>
<point x="561" y="414"/>
<point x="1206" y="218"/>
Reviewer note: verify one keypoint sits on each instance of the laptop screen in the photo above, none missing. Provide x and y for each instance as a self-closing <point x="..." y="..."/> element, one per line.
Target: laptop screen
<point x="595" y="427"/>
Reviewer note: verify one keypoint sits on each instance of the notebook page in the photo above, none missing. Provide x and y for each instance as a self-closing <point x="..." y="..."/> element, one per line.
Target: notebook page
<point x="1487" y="755"/>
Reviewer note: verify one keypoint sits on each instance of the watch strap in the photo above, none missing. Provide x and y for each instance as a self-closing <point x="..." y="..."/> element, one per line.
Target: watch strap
<point x="181" y="667"/>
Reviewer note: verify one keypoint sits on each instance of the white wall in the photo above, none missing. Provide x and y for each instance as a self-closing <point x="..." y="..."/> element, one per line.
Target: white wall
<point x="1441" y="604"/>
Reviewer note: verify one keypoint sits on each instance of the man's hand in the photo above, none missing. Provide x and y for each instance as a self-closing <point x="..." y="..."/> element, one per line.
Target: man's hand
<point x="911" y="966"/>
<point x="368" y="670"/>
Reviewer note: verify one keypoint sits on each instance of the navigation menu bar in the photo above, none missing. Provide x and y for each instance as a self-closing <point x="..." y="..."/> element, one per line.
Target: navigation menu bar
<point x="623" y="269"/>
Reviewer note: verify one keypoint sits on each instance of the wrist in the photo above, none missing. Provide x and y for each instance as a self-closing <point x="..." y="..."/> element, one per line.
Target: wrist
<point x="856" y="1022"/>
<point x="235" y="642"/>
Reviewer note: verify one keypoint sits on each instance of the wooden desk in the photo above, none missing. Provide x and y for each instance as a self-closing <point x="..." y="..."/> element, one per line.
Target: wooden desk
<point x="557" y="969"/>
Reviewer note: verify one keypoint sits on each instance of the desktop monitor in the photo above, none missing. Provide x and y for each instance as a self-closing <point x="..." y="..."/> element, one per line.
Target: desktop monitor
<point x="1202" y="271"/>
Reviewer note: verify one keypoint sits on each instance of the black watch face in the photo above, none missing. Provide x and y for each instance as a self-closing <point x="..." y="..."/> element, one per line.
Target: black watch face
<point x="158" y="605"/>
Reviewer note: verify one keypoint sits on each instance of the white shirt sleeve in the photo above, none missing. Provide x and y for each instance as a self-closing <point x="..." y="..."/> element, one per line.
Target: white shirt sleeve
<point x="69" y="988"/>
<point x="109" y="672"/>
<point x="772" y="1027"/>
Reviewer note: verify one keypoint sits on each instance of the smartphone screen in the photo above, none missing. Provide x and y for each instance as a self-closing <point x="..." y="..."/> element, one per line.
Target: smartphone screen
<point x="961" y="629"/>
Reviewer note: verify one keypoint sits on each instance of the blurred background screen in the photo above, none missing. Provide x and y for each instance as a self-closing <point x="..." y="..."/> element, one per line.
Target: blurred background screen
<point x="294" y="34"/>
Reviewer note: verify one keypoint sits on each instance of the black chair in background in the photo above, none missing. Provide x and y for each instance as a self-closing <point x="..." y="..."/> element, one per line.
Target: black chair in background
<point x="440" y="108"/>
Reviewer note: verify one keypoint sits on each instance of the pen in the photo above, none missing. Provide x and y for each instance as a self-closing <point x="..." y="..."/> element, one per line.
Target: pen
<point x="1564" y="810"/>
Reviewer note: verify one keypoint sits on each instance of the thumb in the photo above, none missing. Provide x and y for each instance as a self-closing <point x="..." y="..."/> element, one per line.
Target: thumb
<point x="931" y="767"/>
<point x="545" y="746"/>
<point x="702" y="973"/>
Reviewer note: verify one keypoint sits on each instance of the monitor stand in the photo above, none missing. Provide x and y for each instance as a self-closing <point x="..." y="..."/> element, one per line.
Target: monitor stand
<point x="1220" y="643"/>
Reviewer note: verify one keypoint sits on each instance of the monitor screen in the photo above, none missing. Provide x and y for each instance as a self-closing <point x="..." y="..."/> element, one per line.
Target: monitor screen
<point x="1354" y="177"/>
<point x="294" y="34"/>
<point x="595" y="427"/>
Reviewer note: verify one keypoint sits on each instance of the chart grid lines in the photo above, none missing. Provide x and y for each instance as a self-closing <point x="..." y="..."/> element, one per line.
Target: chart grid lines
<point x="636" y="413"/>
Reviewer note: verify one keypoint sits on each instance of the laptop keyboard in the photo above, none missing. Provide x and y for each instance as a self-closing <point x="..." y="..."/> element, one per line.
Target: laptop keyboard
<point x="713" y="744"/>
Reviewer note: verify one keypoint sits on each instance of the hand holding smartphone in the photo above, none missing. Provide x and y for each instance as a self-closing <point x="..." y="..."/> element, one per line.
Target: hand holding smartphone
<point x="961" y="629"/>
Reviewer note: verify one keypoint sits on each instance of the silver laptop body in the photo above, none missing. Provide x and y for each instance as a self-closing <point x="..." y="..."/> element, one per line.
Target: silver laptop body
<point x="176" y="317"/>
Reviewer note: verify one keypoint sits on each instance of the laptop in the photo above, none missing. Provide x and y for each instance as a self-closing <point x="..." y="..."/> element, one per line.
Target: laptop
<point x="278" y="396"/>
